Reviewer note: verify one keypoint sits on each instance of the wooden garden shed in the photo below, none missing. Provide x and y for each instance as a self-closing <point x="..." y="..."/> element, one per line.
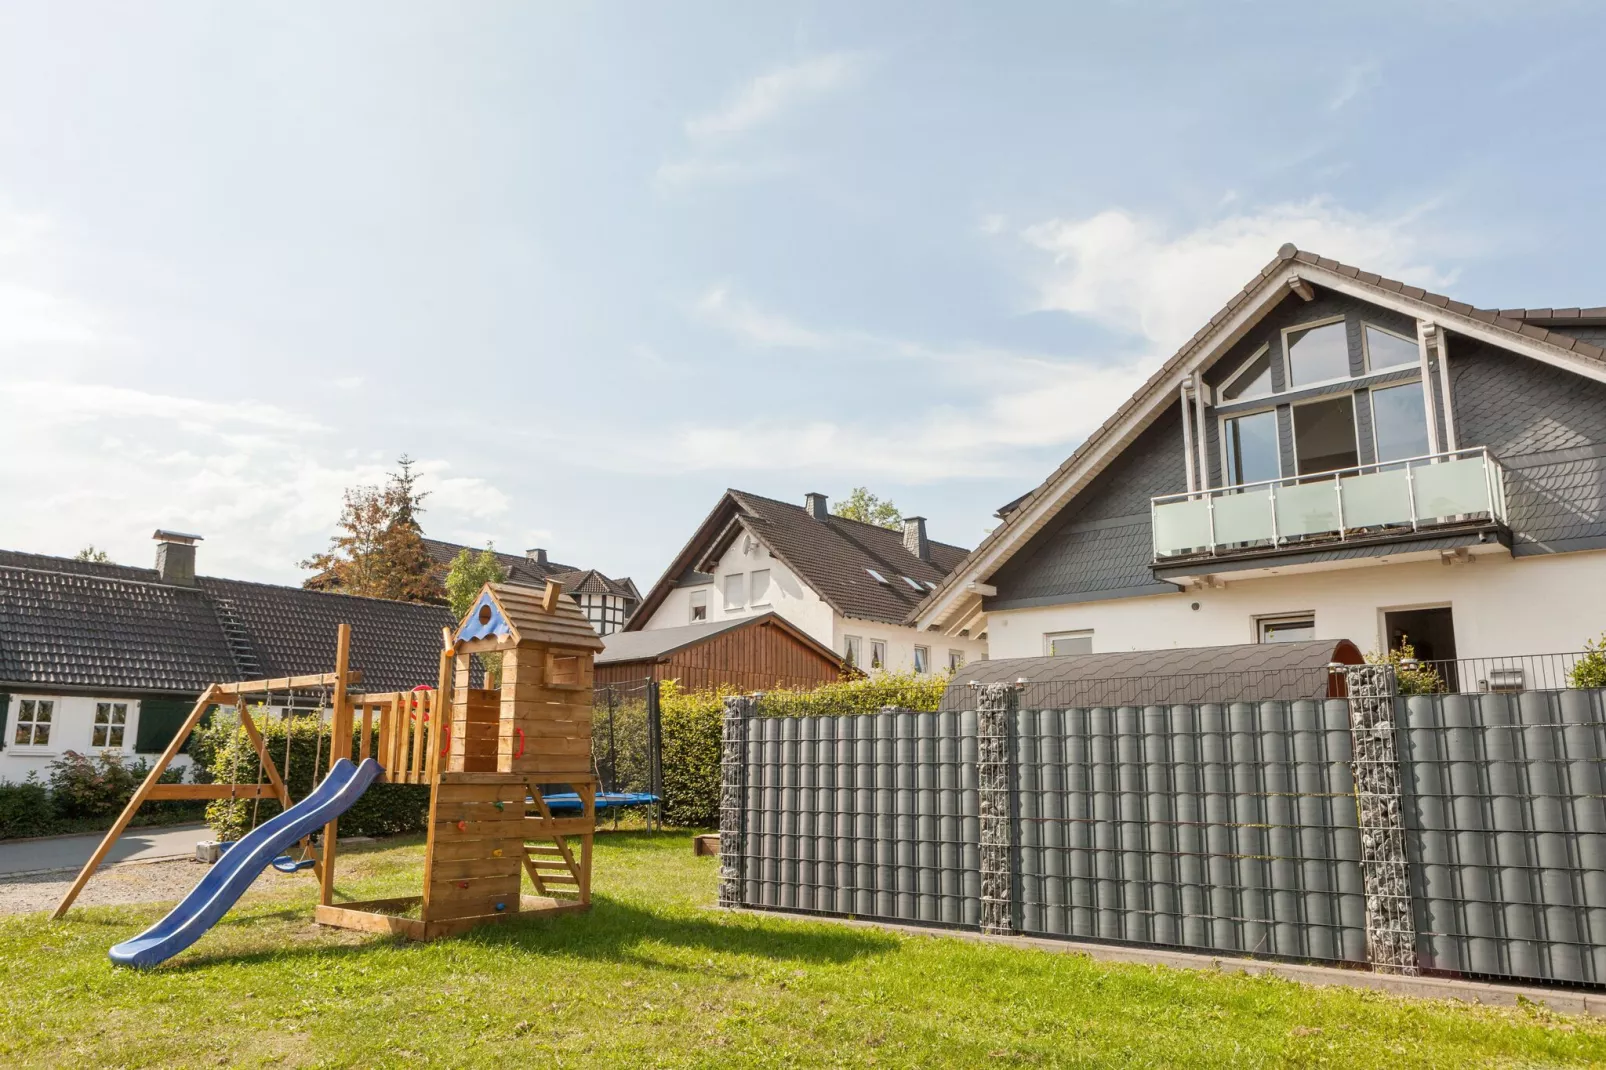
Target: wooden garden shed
<point x="749" y="653"/>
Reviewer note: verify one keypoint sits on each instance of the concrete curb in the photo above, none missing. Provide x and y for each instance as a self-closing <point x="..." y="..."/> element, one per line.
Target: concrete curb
<point x="134" y="830"/>
<point x="1560" y="1000"/>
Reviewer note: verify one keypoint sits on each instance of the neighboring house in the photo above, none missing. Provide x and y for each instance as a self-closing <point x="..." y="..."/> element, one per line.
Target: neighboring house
<point x="607" y="603"/>
<point x="97" y="657"/>
<point x="846" y="584"/>
<point x="745" y="653"/>
<point x="1334" y="455"/>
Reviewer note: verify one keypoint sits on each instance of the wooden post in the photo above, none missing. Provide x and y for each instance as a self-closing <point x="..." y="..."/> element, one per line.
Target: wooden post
<point x="200" y="708"/>
<point x="588" y="806"/>
<point x="340" y="721"/>
<point x="365" y="745"/>
<point x="441" y="709"/>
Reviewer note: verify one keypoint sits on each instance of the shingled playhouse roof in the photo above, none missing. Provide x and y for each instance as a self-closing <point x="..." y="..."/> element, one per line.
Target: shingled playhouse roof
<point x="832" y="555"/>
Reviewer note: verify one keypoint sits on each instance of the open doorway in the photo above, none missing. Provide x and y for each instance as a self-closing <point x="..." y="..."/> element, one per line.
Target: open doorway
<point x="1431" y="633"/>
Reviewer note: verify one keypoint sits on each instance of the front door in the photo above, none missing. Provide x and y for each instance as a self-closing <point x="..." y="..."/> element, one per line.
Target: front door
<point x="1431" y="632"/>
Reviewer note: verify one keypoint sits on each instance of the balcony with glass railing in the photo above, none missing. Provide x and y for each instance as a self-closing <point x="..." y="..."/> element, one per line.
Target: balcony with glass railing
<point x="1369" y="502"/>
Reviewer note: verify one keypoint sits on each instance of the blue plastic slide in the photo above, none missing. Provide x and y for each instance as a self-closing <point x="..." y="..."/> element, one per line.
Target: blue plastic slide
<point x="232" y="874"/>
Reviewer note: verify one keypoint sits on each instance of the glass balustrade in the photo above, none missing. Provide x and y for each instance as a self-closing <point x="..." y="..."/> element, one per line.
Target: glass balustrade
<point x="1442" y="488"/>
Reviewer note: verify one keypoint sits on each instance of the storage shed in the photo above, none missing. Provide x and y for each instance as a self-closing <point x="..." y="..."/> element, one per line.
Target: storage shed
<point x="748" y="653"/>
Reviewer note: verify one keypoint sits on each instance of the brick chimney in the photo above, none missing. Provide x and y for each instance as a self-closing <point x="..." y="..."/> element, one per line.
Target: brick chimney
<point x="817" y="505"/>
<point x="175" y="557"/>
<point x="914" y="537"/>
<point x="538" y="555"/>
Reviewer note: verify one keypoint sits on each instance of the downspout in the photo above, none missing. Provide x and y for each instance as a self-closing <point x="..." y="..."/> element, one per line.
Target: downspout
<point x="1429" y="409"/>
<point x="1187" y="437"/>
<point x="1443" y="338"/>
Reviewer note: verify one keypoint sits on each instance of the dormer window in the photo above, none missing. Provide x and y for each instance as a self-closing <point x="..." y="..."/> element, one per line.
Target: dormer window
<point x="914" y="583"/>
<point x="1317" y="353"/>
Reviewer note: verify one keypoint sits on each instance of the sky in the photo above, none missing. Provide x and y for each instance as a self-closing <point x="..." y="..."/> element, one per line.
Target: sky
<point x="591" y="264"/>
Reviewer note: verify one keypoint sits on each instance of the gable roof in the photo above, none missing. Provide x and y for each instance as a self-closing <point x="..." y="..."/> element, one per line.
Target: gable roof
<point x="528" y="570"/>
<point x="831" y="555"/>
<point x="657" y="644"/>
<point x="1028" y="514"/>
<point x="519" y="611"/>
<point x="115" y="628"/>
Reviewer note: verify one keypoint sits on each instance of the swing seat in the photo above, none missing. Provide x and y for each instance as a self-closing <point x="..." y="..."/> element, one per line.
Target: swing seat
<point x="286" y="864"/>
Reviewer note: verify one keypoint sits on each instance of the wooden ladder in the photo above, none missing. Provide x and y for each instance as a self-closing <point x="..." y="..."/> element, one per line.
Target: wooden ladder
<point x="553" y="868"/>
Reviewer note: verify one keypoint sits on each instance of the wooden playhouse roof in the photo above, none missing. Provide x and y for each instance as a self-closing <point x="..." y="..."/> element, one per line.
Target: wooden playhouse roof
<point x="523" y="614"/>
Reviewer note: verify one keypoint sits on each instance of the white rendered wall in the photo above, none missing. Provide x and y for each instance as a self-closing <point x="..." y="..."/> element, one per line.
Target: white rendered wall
<point x="71" y="724"/>
<point x="790" y="597"/>
<point x="1500" y="606"/>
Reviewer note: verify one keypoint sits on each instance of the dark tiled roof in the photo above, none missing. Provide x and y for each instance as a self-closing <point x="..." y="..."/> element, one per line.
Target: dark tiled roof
<point x="1559" y="317"/>
<point x="71" y="628"/>
<point x="19" y="559"/>
<point x="1247" y="673"/>
<point x="1521" y="323"/>
<point x="528" y="571"/>
<point x="395" y="644"/>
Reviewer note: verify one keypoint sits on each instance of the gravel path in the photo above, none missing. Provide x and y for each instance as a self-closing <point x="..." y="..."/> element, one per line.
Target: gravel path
<point x="144" y="882"/>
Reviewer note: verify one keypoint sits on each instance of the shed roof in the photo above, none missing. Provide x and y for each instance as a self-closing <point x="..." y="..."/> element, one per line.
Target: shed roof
<point x="1251" y="672"/>
<point x="656" y="644"/>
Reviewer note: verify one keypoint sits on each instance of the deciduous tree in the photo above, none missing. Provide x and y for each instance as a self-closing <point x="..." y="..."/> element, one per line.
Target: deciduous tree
<point x="378" y="550"/>
<point x="863" y="506"/>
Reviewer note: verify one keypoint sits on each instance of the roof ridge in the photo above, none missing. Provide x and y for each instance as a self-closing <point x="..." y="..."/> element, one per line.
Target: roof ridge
<point x="99" y="576"/>
<point x="845" y="519"/>
<point x="309" y="590"/>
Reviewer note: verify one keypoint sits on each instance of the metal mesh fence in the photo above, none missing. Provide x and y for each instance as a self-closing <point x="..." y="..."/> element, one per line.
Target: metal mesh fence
<point x="1507" y="832"/>
<point x="873" y="815"/>
<point x="1219" y="827"/>
<point x="626" y="746"/>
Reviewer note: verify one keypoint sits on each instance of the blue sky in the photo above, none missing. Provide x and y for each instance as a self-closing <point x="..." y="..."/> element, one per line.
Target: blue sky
<point x="591" y="264"/>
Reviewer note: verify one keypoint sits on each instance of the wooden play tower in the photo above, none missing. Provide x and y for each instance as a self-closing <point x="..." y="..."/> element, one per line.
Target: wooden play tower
<point x="491" y="767"/>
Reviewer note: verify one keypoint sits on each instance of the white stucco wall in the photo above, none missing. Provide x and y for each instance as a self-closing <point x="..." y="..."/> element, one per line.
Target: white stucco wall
<point x="791" y="598"/>
<point x="1500" y="606"/>
<point x="71" y="724"/>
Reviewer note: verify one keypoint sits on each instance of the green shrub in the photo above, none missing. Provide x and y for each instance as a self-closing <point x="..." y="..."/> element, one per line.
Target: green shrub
<point x="84" y="787"/>
<point x="26" y="809"/>
<point x="1590" y="670"/>
<point x="692" y="726"/>
<point x="382" y="809"/>
<point x="1411" y="677"/>
<point x="865" y="694"/>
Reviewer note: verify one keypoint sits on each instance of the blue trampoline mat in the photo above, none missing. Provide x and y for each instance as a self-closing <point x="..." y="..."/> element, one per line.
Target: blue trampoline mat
<point x="568" y="802"/>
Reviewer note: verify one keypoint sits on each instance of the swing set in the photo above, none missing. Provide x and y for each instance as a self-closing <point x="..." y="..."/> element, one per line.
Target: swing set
<point x="490" y="758"/>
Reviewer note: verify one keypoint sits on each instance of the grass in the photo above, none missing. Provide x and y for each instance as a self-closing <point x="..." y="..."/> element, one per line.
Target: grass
<point x="651" y="977"/>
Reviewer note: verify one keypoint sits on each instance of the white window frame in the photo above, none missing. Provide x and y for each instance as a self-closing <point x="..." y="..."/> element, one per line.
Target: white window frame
<point x="734" y="583"/>
<point x="956" y="660"/>
<point x="922" y="659"/>
<point x="693" y="604"/>
<point x="1050" y="638"/>
<point x="1288" y="357"/>
<point x="1221" y="444"/>
<point x="755" y="597"/>
<point x="15" y="721"/>
<point x="1243" y="366"/>
<point x="1293" y="433"/>
<point x="1366" y="350"/>
<point x="130" y="713"/>
<point x="1260" y="623"/>
<point x="878" y="653"/>
<point x="1371" y="405"/>
<point x="853" y="650"/>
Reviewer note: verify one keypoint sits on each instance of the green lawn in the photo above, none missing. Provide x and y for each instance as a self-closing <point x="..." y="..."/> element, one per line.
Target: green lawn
<point x="651" y="977"/>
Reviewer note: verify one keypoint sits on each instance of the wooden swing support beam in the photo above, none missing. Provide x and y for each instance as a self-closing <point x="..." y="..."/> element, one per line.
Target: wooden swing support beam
<point x="234" y="694"/>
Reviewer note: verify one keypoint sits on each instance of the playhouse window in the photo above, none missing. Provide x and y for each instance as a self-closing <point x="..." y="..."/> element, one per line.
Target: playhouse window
<point x="33" y="722"/>
<point x="111" y="720"/>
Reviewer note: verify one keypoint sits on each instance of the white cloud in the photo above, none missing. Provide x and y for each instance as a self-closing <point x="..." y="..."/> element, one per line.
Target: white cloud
<point x="776" y="92"/>
<point x="1358" y="79"/>
<point x="718" y="308"/>
<point x="31" y="313"/>
<point x="1128" y="272"/>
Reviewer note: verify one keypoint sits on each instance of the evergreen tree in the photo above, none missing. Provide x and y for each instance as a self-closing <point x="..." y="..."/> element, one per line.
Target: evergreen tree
<point x="379" y="550"/>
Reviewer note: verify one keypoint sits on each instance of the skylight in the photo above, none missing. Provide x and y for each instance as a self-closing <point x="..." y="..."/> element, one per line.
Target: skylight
<point x="874" y="575"/>
<point x="913" y="583"/>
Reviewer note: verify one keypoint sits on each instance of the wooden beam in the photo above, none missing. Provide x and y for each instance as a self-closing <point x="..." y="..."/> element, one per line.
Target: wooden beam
<point x="285" y="683"/>
<point x="341" y="720"/>
<point x="206" y="701"/>
<point x="1302" y="288"/>
<point x="550" y="595"/>
<point x="212" y="791"/>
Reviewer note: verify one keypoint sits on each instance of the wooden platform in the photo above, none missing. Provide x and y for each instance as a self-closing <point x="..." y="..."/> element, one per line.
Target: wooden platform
<point x="384" y="916"/>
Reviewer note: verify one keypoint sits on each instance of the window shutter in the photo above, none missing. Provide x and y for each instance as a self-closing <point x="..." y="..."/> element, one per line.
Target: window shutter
<point x="5" y="705"/>
<point x="159" y="721"/>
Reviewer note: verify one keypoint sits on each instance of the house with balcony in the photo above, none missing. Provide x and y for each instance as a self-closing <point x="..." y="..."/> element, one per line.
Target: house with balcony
<point x="1335" y="455"/>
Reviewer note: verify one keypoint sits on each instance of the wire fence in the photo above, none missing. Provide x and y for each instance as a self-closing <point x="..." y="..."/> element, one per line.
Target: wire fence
<point x="627" y="737"/>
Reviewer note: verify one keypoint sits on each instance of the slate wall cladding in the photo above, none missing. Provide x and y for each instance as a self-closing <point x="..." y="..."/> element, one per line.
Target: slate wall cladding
<point x="1548" y="427"/>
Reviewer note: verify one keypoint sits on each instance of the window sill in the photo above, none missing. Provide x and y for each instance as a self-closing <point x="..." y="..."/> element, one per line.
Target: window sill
<point x="762" y="605"/>
<point x="30" y="752"/>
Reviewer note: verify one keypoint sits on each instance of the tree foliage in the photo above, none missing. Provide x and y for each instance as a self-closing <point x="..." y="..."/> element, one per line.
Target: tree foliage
<point x="1411" y="676"/>
<point x="378" y="550"/>
<point x="866" y="508"/>
<point x="469" y="573"/>
<point x="89" y="553"/>
<point x="1590" y="670"/>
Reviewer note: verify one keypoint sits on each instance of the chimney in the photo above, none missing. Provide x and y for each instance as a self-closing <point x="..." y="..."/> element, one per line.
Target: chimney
<point x="175" y="557"/>
<point x="816" y="504"/>
<point x="538" y="555"/>
<point x="914" y="537"/>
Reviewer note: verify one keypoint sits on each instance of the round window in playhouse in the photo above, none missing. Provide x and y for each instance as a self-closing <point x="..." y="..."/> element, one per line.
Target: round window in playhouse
<point x="485" y="614"/>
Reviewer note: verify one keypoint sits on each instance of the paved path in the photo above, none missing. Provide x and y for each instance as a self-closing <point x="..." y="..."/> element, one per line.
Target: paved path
<point x="71" y="852"/>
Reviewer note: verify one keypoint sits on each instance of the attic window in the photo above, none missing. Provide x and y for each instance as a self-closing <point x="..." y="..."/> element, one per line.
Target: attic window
<point x="913" y="583"/>
<point x="930" y="586"/>
<point x="874" y="575"/>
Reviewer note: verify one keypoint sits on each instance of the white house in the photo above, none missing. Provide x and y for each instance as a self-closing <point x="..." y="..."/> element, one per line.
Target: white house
<point x="848" y="585"/>
<point x="1334" y="455"/>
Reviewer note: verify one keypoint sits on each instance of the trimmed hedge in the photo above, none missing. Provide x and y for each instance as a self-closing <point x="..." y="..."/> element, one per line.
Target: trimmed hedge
<point x="26" y="809"/>
<point x="84" y="794"/>
<point x="382" y="809"/>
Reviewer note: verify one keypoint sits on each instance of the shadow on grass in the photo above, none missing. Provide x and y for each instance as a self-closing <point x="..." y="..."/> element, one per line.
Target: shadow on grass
<point x="613" y="932"/>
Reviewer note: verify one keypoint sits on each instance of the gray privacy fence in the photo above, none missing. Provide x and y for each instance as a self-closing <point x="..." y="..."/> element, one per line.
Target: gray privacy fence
<point x="1452" y="833"/>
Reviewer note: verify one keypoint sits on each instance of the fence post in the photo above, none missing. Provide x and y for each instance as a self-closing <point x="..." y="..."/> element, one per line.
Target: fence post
<point x="733" y="797"/>
<point x="995" y="796"/>
<point x="1385" y="874"/>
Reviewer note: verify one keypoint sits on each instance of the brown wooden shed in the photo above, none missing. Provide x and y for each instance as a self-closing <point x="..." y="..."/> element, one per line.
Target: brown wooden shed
<point x="748" y="653"/>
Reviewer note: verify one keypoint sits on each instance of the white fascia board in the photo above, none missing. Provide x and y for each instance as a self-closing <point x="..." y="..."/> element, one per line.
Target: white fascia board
<point x="981" y="565"/>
